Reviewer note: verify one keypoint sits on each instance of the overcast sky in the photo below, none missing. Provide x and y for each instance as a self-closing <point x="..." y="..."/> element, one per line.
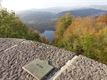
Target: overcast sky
<point x="39" y="4"/>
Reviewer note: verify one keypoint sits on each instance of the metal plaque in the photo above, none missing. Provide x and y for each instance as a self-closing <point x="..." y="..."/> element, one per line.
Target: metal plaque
<point x="38" y="68"/>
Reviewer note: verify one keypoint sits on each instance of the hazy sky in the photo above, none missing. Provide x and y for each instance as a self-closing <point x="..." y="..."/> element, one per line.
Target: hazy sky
<point x="38" y="4"/>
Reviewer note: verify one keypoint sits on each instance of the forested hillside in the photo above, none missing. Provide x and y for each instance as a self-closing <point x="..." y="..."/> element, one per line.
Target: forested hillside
<point x="12" y="27"/>
<point x="45" y="19"/>
<point x="84" y="35"/>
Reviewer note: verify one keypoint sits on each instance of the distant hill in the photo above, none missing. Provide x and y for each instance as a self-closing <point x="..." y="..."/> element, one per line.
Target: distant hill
<point x="45" y="20"/>
<point x="35" y="17"/>
<point x="84" y="12"/>
<point x="38" y="19"/>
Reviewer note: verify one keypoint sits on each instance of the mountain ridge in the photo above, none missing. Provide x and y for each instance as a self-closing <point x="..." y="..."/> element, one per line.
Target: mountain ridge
<point x="85" y="12"/>
<point x="43" y="20"/>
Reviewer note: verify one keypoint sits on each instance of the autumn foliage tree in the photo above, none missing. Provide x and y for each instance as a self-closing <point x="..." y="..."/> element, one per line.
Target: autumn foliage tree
<point x="61" y="26"/>
<point x="86" y="35"/>
<point x="102" y="19"/>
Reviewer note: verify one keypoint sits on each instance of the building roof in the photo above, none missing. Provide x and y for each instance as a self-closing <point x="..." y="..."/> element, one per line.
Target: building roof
<point x="15" y="53"/>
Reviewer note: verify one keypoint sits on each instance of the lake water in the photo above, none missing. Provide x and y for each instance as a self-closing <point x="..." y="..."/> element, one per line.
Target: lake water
<point x="49" y="34"/>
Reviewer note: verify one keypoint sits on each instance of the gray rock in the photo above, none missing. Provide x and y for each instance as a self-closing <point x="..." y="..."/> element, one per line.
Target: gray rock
<point x="15" y="53"/>
<point x="12" y="59"/>
<point x="84" y="69"/>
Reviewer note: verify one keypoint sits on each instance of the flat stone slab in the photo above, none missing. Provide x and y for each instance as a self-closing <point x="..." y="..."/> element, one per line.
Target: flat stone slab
<point x="38" y="68"/>
<point x="83" y="68"/>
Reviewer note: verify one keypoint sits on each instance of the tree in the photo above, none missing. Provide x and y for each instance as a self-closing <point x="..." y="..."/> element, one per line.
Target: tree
<point x="102" y="19"/>
<point x="12" y="27"/>
<point x="61" y="26"/>
<point x="86" y="35"/>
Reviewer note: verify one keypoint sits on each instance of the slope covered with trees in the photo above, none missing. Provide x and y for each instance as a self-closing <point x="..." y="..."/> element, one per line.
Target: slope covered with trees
<point x="84" y="35"/>
<point x="12" y="27"/>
